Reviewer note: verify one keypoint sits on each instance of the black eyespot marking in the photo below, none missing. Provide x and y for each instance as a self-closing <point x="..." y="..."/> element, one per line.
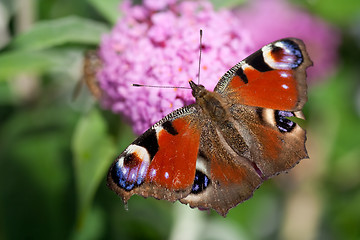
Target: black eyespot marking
<point x="149" y="141"/>
<point x="282" y="123"/>
<point x="130" y="160"/>
<point x="256" y="60"/>
<point x="169" y="128"/>
<point x="242" y="75"/>
<point x="201" y="182"/>
<point x="131" y="174"/>
<point x="295" y="50"/>
<point x="119" y="179"/>
<point x="120" y="175"/>
<point x="276" y="50"/>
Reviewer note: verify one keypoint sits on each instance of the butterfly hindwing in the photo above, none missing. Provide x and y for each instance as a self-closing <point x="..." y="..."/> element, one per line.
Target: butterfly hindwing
<point x="225" y="176"/>
<point x="272" y="77"/>
<point x="236" y="156"/>
<point x="275" y="143"/>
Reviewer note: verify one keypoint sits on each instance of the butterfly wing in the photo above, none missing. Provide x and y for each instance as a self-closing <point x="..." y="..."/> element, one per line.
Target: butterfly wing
<point x="255" y="142"/>
<point x="161" y="163"/>
<point x="272" y="77"/>
<point x="271" y="83"/>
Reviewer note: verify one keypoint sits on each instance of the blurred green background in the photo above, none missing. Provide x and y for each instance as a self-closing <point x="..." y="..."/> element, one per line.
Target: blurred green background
<point x="55" y="152"/>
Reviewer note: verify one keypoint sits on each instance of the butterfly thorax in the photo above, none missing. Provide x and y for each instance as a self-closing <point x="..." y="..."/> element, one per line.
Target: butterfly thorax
<point x="210" y="102"/>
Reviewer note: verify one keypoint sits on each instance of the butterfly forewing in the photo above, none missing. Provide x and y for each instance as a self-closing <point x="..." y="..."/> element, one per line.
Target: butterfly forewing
<point x="161" y="162"/>
<point x="272" y="77"/>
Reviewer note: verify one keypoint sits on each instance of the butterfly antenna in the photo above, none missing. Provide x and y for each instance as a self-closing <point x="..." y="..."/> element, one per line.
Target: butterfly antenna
<point x="200" y="47"/>
<point x="157" y="86"/>
<point x="198" y="75"/>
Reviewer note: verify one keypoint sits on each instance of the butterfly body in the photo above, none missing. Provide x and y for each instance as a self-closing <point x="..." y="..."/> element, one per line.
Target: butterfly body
<point x="213" y="154"/>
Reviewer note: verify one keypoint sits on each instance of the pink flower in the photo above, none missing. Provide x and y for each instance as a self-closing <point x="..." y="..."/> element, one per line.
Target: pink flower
<point x="269" y="20"/>
<point x="157" y="4"/>
<point x="157" y="43"/>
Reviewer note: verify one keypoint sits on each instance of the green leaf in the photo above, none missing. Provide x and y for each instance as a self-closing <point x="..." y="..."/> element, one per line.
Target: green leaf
<point x="109" y="9"/>
<point x="51" y="33"/>
<point x="94" y="225"/>
<point x="6" y="96"/>
<point x="36" y="62"/>
<point x="13" y="63"/>
<point x="34" y="154"/>
<point x="93" y="152"/>
<point x="301" y="122"/>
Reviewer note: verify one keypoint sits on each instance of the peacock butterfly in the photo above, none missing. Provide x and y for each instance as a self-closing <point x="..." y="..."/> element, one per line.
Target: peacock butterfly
<point x="213" y="154"/>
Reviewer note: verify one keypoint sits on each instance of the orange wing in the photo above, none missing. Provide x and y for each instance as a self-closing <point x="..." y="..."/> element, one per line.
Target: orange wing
<point x="273" y="77"/>
<point x="161" y="163"/>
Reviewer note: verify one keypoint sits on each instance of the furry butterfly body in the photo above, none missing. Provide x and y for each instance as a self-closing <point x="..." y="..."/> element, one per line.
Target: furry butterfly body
<point x="213" y="154"/>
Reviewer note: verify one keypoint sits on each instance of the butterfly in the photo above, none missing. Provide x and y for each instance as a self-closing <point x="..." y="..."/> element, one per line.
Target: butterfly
<point x="215" y="153"/>
<point x="91" y="65"/>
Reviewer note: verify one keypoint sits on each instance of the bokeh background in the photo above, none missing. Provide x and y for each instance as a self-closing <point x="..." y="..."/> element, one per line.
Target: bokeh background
<point x="55" y="148"/>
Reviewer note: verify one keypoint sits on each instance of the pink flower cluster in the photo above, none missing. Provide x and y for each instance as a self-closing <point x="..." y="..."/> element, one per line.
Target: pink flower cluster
<point x="157" y="43"/>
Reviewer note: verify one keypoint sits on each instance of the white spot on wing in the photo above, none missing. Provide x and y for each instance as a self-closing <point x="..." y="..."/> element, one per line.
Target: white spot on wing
<point x="280" y="44"/>
<point x="123" y="170"/>
<point x="141" y="152"/>
<point x="245" y="65"/>
<point x="285" y="86"/>
<point x="143" y="169"/>
<point x="284" y="74"/>
<point x="152" y="173"/>
<point x="158" y="129"/>
<point x="120" y="162"/>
